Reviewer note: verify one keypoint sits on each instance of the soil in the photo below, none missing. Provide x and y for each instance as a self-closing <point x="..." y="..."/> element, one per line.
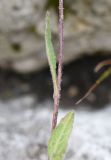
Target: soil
<point x="78" y="76"/>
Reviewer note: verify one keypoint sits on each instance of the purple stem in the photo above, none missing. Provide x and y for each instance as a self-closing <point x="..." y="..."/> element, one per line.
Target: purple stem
<point x="61" y="41"/>
<point x="60" y="57"/>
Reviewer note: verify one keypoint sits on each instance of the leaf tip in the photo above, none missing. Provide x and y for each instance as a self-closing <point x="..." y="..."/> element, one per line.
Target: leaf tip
<point x="71" y="113"/>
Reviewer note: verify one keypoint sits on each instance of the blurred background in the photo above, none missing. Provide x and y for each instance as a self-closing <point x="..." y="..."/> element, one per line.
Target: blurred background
<point x="26" y="91"/>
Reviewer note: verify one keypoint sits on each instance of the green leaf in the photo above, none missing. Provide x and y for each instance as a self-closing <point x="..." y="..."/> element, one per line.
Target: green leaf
<point x="59" y="139"/>
<point x="50" y="53"/>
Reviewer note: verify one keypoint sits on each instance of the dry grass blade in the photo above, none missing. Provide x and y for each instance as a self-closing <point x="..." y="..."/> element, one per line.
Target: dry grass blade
<point x="102" y="64"/>
<point x="104" y="75"/>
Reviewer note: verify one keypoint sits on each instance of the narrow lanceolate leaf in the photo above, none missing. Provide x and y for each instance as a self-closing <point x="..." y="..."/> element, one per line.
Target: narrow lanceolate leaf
<point x="59" y="139"/>
<point x="104" y="75"/>
<point x="50" y="52"/>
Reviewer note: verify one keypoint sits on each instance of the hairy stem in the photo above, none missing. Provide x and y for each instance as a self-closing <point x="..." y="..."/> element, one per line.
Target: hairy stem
<point x="60" y="57"/>
<point x="61" y="41"/>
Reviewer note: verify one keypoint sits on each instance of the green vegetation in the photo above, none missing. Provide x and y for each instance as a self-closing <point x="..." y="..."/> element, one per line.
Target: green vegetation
<point x="50" y="53"/>
<point x="59" y="137"/>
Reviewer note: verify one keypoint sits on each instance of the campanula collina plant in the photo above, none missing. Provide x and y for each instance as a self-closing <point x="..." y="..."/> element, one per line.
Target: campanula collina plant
<point x="60" y="133"/>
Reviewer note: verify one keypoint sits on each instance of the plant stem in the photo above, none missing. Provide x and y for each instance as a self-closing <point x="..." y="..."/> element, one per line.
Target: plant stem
<point x="60" y="57"/>
<point x="61" y="41"/>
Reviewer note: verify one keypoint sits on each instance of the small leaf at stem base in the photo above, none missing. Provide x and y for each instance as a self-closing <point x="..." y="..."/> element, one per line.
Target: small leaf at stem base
<point x="59" y="138"/>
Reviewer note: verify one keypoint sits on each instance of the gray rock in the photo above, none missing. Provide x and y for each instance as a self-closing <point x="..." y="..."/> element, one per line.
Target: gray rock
<point x="87" y="30"/>
<point x="25" y="129"/>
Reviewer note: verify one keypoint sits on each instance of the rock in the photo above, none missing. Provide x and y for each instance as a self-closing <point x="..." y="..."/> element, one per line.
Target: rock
<point x="25" y="129"/>
<point x="87" y="30"/>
